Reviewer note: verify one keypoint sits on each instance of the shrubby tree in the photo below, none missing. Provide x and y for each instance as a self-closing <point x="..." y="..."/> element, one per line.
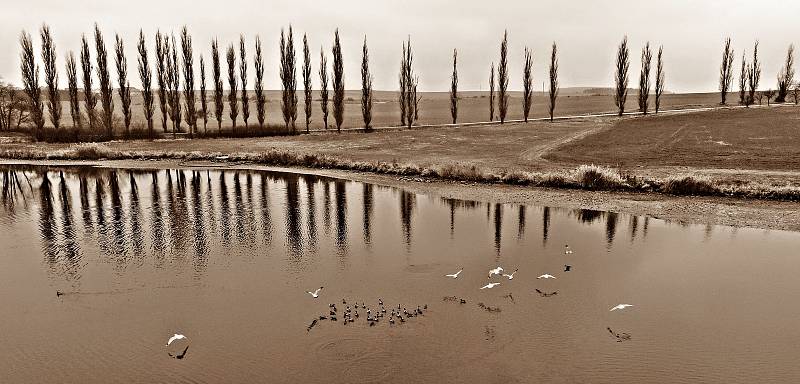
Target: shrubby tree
<point x="786" y="76"/>
<point x="621" y="76"/>
<point x="644" y="79"/>
<point x="51" y="76"/>
<point x="726" y="71"/>
<point x="124" y="89"/>
<point x="146" y="77"/>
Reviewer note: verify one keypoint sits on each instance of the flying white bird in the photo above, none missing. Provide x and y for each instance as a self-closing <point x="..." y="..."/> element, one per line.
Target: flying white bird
<point x="567" y="251"/>
<point x="315" y="294"/>
<point x="455" y="275"/>
<point x="620" y="306"/>
<point x="511" y="276"/>
<point x="490" y="285"/>
<point x="546" y="276"/>
<point x="495" y="271"/>
<point x="174" y="337"/>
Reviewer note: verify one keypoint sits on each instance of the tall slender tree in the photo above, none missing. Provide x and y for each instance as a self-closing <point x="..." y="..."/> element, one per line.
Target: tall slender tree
<point x="146" y="77"/>
<point x="72" y="87"/>
<point x="491" y="93"/>
<point x="726" y="71"/>
<point x="30" y="78"/>
<point x="261" y="100"/>
<point x="307" y="81"/>
<point x="103" y="74"/>
<point x="659" y="78"/>
<point x="174" y="81"/>
<point x="203" y="95"/>
<point x="786" y="76"/>
<point x="416" y="99"/>
<point x="323" y="86"/>
<point x="162" y="48"/>
<point x="403" y="96"/>
<point x="408" y="97"/>
<point x="233" y="84"/>
<point x="243" y="77"/>
<point x="743" y="81"/>
<point x="124" y="89"/>
<point x="51" y="76"/>
<point x="338" y="82"/>
<point x="288" y="73"/>
<point x="216" y="72"/>
<point x="527" y="84"/>
<point x="366" y="88"/>
<point x="621" y="76"/>
<point x="553" y="80"/>
<point x="89" y="98"/>
<point x="754" y="76"/>
<point x="188" y="81"/>
<point x="502" y="79"/>
<point x="644" y="79"/>
<point x="454" y="88"/>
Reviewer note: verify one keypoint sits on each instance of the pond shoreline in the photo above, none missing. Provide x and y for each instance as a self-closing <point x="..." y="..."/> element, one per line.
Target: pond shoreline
<point x="736" y="212"/>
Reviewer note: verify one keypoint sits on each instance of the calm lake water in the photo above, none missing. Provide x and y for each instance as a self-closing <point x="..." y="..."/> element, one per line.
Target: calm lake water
<point x="226" y="257"/>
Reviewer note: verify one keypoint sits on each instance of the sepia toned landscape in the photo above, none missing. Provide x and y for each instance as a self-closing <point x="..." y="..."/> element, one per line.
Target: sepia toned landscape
<point x="301" y="192"/>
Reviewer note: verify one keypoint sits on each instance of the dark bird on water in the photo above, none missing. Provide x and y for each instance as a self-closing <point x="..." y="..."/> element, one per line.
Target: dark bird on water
<point x="567" y="267"/>
<point x="546" y="294"/>
<point x="59" y="293"/>
<point x="313" y="323"/>
<point x="180" y="355"/>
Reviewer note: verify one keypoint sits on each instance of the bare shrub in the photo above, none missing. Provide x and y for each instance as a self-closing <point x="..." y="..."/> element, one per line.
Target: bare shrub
<point x="621" y="76"/>
<point x="593" y="177"/>
<point x="726" y="71"/>
<point x="690" y="186"/>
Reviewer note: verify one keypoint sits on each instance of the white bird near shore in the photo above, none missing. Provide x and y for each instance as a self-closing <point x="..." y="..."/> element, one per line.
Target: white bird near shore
<point x="511" y="276"/>
<point x="490" y="285"/>
<point x="315" y="294"/>
<point x="174" y="337"/>
<point x="546" y="276"/>
<point x="495" y="271"/>
<point x="567" y="250"/>
<point x="620" y="306"/>
<point x="455" y="275"/>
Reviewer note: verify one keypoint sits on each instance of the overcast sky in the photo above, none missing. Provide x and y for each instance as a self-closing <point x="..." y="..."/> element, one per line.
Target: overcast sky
<point x="586" y="31"/>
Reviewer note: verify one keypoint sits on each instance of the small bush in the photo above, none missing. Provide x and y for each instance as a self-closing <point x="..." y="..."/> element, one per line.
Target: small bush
<point x="594" y="177"/>
<point x="690" y="186"/>
<point x="88" y="151"/>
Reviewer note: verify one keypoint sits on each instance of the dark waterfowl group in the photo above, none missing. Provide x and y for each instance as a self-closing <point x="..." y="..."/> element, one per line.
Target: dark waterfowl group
<point x="350" y="314"/>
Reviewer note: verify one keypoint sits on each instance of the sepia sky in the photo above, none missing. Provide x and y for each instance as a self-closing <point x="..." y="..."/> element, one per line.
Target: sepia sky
<point x="586" y="31"/>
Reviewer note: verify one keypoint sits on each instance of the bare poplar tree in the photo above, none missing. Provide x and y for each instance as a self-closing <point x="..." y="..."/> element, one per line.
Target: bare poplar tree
<point x="786" y="76"/>
<point x="403" y="97"/>
<point x="338" y="82"/>
<point x="261" y="100"/>
<point x="243" y="77"/>
<point x="146" y="76"/>
<point x="726" y="71"/>
<point x="288" y="74"/>
<point x="408" y="83"/>
<point x="754" y="75"/>
<point x="51" y="76"/>
<point x="454" y="88"/>
<point x="203" y="94"/>
<point x="415" y="98"/>
<point x="659" y="77"/>
<point x="89" y="97"/>
<point x="162" y="48"/>
<point x="103" y="74"/>
<point x="188" y="81"/>
<point x="527" y="84"/>
<point x="72" y="87"/>
<point x="30" y="78"/>
<point x="644" y="79"/>
<point x="124" y="89"/>
<point x="307" y="81"/>
<point x="553" y="80"/>
<point x="502" y="79"/>
<point x="491" y="93"/>
<point x="743" y="82"/>
<point x="323" y="85"/>
<point x="621" y="75"/>
<point x="174" y="80"/>
<point x="366" y="88"/>
<point x="233" y="99"/>
<point x="216" y="72"/>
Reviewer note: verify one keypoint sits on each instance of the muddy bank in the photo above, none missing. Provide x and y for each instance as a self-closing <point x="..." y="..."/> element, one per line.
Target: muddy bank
<point x="751" y="213"/>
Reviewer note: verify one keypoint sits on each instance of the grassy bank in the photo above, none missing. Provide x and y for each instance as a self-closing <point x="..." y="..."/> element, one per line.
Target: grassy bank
<point x="585" y="177"/>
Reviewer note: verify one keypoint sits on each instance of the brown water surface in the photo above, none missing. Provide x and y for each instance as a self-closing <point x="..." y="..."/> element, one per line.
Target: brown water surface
<point x="226" y="258"/>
